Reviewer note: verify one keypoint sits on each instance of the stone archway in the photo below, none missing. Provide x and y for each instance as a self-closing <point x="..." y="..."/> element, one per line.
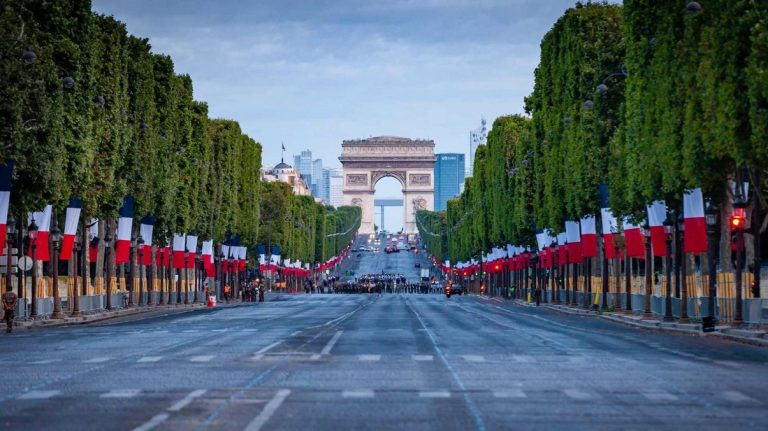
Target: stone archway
<point x="366" y="161"/>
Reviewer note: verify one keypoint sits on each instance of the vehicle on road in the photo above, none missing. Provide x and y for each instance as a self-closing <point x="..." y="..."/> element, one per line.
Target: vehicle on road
<point x="417" y="265"/>
<point x="453" y="289"/>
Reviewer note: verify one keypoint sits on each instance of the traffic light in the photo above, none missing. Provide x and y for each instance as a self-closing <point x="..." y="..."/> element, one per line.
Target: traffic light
<point x="737" y="219"/>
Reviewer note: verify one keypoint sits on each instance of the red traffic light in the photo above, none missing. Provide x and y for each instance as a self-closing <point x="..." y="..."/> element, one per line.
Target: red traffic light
<point x="737" y="219"/>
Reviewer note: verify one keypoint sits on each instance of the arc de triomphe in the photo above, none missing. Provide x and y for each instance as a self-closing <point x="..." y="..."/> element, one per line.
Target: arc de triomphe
<point x="366" y="161"/>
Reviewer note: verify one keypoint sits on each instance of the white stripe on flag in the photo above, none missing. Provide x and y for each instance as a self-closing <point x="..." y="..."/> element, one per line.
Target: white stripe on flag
<point x="693" y="203"/>
<point x="70" y="223"/>
<point x="572" y="232"/>
<point x="5" y="199"/>
<point x="124" y="228"/>
<point x="657" y="213"/>
<point x="610" y="224"/>
<point x="145" y="230"/>
<point x="178" y="242"/>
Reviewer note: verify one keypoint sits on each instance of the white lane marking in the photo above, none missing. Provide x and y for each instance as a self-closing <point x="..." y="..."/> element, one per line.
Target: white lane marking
<point x="152" y="423"/>
<point x="737" y="397"/>
<point x="45" y="361"/>
<point x="659" y="396"/>
<point x="522" y="358"/>
<point x="257" y="357"/>
<point x="146" y="359"/>
<point x="434" y="394"/>
<point x="358" y="393"/>
<point x="511" y="393"/>
<point x="187" y="400"/>
<point x="266" y="348"/>
<point x="190" y="331"/>
<point x="221" y="330"/>
<point x="473" y="358"/>
<point x="201" y="358"/>
<point x="423" y="358"/>
<point x="269" y="409"/>
<point x="315" y="357"/>
<point x="368" y="357"/>
<point x="327" y="349"/>
<point x="97" y="360"/>
<point x="38" y="395"/>
<point x="121" y="393"/>
<point x="578" y="394"/>
<point x="295" y="333"/>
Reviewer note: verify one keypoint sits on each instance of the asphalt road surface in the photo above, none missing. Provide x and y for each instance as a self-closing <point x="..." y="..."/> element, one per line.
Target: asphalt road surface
<point x="366" y="262"/>
<point x="359" y="362"/>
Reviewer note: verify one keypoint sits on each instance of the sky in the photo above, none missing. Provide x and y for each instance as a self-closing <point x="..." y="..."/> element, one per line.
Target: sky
<point x="311" y="73"/>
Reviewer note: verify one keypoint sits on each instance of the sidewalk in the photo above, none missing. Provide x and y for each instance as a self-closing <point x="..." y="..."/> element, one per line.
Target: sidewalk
<point x="46" y="321"/>
<point x="756" y="336"/>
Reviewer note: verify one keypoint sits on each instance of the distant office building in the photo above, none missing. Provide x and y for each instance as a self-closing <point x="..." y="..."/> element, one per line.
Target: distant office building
<point x="477" y="137"/>
<point x="449" y="178"/>
<point x="317" y="178"/>
<point x="335" y="187"/>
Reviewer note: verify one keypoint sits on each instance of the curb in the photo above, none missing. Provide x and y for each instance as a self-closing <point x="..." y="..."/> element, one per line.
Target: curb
<point x="109" y="315"/>
<point x="757" y="338"/>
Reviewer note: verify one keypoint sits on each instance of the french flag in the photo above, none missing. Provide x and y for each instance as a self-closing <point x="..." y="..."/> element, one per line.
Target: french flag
<point x="633" y="237"/>
<point x="588" y="236"/>
<point x="695" y="239"/>
<point x="243" y="252"/>
<point x="43" y="222"/>
<point x="657" y="213"/>
<point x="263" y="263"/>
<point x="70" y="228"/>
<point x="562" y="240"/>
<point x="146" y="229"/>
<point x="225" y="259"/>
<point x="6" y="172"/>
<point x="178" y="251"/>
<point x="124" y="227"/>
<point x="610" y="228"/>
<point x="207" y="256"/>
<point x="192" y="249"/>
<point x="93" y="246"/>
<point x="274" y="262"/>
<point x="574" y="241"/>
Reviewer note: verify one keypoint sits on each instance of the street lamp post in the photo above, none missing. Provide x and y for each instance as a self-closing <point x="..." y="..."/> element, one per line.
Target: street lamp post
<point x="137" y="278"/>
<point x="108" y="266"/>
<point x="198" y="271"/>
<point x="75" y="290"/>
<point x="710" y="212"/>
<point x="10" y="230"/>
<point x="56" y="242"/>
<point x="647" y="312"/>
<point x="738" y="221"/>
<point x="535" y="288"/>
<point x="680" y="269"/>
<point x="131" y="288"/>
<point x="32" y="235"/>
<point x="668" y="223"/>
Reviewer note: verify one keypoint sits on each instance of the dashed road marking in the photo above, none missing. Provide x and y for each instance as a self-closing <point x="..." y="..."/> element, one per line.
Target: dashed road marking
<point x="147" y="359"/>
<point x="38" y="395"/>
<point x="152" y="423"/>
<point x="121" y="393"/>
<point x="315" y="357"/>
<point x="368" y="357"/>
<point x="737" y="397"/>
<point x="259" y="421"/>
<point x="434" y="394"/>
<point x="187" y="400"/>
<point x="332" y="342"/>
<point x="45" y="361"/>
<point x="473" y="358"/>
<point x="510" y="393"/>
<point x="659" y="396"/>
<point x="267" y="348"/>
<point x="97" y="360"/>
<point x="578" y="394"/>
<point x="358" y="393"/>
<point x="423" y="358"/>
<point x="202" y="358"/>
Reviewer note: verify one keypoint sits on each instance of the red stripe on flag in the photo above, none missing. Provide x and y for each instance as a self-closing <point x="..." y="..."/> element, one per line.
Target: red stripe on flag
<point x="635" y="244"/>
<point x="67" y="245"/>
<point x="146" y="255"/>
<point x="178" y="259"/>
<point x="589" y="245"/>
<point x="695" y="235"/>
<point x="659" y="241"/>
<point x="2" y="239"/>
<point x="191" y="260"/>
<point x="42" y="253"/>
<point x="122" y="251"/>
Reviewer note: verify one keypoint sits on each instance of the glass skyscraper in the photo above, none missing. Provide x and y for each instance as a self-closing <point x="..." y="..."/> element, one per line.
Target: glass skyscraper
<point x="449" y="177"/>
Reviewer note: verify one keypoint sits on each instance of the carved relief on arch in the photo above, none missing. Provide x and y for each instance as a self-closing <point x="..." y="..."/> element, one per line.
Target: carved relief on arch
<point x="377" y="175"/>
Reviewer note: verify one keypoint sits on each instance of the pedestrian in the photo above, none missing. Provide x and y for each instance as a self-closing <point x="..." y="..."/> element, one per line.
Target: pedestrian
<point x="10" y="300"/>
<point x="227" y="288"/>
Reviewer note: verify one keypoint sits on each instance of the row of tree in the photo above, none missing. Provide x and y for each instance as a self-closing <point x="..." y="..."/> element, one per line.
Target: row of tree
<point x="651" y="98"/>
<point x="89" y="111"/>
